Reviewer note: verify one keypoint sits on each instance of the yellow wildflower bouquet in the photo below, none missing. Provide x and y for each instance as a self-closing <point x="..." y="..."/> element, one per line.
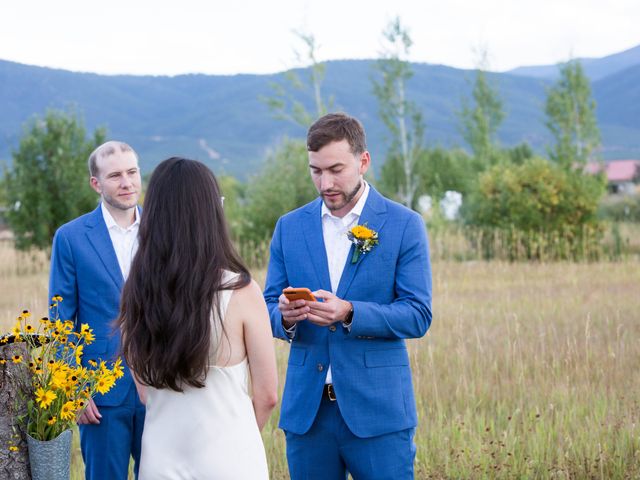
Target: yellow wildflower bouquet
<point x="56" y="386"/>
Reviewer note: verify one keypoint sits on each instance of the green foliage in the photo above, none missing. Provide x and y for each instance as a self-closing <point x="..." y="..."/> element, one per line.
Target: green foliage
<point x="401" y="116"/>
<point x="481" y="119"/>
<point x="436" y="171"/>
<point x="283" y="185"/>
<point x="571" y="117"/>
<point x="537" y="203"/>
<point x="48" y="183"/>
<point x="621" y="208"/>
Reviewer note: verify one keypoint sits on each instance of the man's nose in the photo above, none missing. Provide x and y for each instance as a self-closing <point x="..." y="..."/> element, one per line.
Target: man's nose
<point x="326" y="182"/>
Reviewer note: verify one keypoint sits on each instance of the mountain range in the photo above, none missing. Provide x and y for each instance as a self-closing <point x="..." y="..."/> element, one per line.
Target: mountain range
<point x="222" y="120"/>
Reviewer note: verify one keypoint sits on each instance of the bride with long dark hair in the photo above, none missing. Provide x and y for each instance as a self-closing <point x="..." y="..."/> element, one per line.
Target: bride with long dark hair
<point x="195" y="329"/>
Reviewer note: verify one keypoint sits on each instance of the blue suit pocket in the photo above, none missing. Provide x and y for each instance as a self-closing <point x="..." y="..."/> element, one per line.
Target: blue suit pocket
<point x="96" y="350"/>
<point x="397" y="357"/>
<point x="297" y="356"/>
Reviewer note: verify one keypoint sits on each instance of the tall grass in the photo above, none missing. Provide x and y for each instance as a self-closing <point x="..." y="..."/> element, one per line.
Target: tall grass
<point x="530" y="370"/>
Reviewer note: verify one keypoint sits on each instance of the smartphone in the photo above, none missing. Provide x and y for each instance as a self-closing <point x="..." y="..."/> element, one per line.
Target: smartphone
<point x="299" y="294"/>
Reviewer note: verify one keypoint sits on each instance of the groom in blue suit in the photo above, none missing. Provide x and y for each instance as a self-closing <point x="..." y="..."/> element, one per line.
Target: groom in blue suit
<point x="90" y="261"/>
<point x="348" y="403"/>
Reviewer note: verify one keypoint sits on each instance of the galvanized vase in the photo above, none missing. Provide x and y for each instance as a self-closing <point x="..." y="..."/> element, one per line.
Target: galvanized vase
<point x="50" y="459"/>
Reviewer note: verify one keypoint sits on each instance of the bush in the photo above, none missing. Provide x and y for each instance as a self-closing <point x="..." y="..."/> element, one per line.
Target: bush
<point x="537" y="208"/>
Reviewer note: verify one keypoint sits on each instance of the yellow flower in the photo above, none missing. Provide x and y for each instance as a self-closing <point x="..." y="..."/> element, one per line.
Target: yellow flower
<point x="59" y="379"/>
<point x="87" y="334"/>
<point x="118" y="371"/>
<point x="2" y="361"/>
<point x="68" y="411"/>
<point x="105" y="382"/>
<point x="28" y="328"/>
<point x="79" y="352"/>
<point x="17" y="359"/>
<point x="93" y="363"/>
<point x="56" y="298"/>
<point x="45" y="397"/>
<point x="13" y="448"/>
<point x="362" y="232"/>
<point x="26" y="313"/>
<point x="51" y="420"/>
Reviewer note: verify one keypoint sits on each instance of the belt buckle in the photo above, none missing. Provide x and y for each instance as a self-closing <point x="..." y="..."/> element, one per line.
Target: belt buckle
<point x="331" y="393"/>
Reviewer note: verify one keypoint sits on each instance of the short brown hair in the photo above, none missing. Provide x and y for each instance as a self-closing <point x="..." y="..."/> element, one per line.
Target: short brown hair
<point x="104" y="150"/>
<point x="335" y="127"/>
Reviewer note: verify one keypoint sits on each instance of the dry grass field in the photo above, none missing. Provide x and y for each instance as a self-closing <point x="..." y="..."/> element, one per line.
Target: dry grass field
<point x="530" y="370"/>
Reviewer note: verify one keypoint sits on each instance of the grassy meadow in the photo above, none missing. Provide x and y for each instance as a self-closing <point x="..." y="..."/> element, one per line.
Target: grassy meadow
<point x="530" y="370"/>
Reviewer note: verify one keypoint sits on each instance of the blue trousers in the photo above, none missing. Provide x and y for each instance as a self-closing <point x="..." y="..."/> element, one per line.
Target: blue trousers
<point x="329" y="451"/>
<point x="107" y="447"/>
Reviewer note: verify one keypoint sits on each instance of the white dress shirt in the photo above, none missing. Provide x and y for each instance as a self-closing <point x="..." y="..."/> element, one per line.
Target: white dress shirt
<point x="337" y="244"/>
<point x="124" y="240"/>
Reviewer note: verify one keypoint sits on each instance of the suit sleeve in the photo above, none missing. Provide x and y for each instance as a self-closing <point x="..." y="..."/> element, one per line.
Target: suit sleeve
<point x="63" y="277"/>
<point x="409" y="315"/>
<point x="276" y="281"/>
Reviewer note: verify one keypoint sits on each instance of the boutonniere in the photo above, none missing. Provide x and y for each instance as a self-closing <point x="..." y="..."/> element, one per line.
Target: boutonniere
<point x="364" y="240"/>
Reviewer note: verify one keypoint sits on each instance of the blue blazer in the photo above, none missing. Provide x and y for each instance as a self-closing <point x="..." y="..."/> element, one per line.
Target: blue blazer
<point x="390" y="289"/>
<point x="86" y="274"/>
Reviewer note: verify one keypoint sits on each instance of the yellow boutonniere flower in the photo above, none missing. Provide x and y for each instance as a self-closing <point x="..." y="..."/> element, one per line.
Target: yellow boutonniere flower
<point x="363" y="238"/>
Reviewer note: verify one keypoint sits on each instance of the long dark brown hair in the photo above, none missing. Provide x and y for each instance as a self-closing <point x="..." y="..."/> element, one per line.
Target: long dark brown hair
<point x="176" y="277"/>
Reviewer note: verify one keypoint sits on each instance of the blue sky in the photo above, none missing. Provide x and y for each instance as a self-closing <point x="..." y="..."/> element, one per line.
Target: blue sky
<point x="256" y="36"/>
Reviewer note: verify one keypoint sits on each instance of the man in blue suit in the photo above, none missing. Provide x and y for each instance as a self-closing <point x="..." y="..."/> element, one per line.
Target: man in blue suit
<point x="89" y="263"/>
<point x="348" y="403"/>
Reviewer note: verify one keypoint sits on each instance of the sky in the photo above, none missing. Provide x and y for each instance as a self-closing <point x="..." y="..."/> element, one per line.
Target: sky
<point x="258" y="36"/>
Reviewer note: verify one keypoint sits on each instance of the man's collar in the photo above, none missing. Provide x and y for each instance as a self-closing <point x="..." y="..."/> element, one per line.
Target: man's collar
<point x="110" y="222"/>
<point x="357" y="208"/>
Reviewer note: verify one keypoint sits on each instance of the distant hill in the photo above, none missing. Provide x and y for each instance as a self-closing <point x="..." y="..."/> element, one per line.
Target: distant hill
<point x="220" y="119"/>
<point x="595" y="68"/>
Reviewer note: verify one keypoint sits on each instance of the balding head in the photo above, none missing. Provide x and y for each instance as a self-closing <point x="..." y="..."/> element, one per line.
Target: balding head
<point x="105" y="150"/>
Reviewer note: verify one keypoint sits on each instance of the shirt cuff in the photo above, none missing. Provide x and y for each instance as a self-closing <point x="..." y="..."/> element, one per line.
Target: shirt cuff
<point x="291" y="331"/>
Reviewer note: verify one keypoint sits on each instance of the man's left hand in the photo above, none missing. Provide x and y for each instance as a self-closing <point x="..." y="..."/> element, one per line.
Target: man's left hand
<point x="328" y="312"/>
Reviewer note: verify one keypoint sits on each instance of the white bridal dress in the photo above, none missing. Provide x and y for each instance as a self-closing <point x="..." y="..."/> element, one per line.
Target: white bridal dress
<point x="204" y="433"/>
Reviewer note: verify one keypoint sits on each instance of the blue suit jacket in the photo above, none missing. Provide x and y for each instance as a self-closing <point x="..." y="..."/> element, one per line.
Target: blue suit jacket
<point x="390" y="289"/>
<point x="86" y="274"/>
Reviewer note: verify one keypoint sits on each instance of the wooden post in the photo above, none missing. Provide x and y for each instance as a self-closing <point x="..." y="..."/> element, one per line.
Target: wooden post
<point x="14" y="465"/>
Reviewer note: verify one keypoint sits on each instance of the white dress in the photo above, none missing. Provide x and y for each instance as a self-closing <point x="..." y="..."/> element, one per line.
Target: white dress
<point x="204" y="433"/>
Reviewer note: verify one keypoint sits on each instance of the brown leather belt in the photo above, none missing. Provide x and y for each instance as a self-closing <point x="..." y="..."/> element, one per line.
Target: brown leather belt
<point x="329" y="392"/>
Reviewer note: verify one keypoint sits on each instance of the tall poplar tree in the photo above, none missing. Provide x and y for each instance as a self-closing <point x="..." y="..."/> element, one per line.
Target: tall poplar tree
<point x="400" y="115"/>
<point x="571" y="117"/>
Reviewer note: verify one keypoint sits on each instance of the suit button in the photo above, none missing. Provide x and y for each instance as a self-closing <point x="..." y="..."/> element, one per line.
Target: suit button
<point x="332" y="328"/>
<point x="320" y="367"/>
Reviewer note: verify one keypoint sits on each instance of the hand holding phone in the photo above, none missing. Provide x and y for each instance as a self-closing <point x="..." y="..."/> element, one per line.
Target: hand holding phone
<point x="298" y="294"/>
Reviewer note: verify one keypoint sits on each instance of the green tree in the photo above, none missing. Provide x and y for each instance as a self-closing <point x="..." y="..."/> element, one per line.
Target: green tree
<point x="571" y="117"/>
<point x="437" y="170"/>
<point x="400" y="115"/>
<point x="481" y="118"/>
<point x="48" y="182"/>
<point x="282" y="185"/>
<point x="284" y="102"/>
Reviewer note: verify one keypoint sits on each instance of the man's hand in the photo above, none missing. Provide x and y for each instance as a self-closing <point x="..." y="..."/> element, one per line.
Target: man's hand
<point x="90" y="415"/>
<point x="292" y="311"/>
<point x="332" y="310"/>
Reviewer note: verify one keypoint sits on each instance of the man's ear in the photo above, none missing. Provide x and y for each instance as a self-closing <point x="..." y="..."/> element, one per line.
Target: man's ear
<point x="365" y="162"/>
<point x="95" y="184"/>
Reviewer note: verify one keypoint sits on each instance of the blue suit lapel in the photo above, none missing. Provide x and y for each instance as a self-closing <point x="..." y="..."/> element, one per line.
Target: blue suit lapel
<point x="312" y="228"/>
<point x="374" y="214"/>
<point x="99" y="238"/>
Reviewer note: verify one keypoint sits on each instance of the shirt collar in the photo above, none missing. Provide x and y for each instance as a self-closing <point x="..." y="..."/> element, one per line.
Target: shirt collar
<point x="111" y="223"/>
<point x="357" y="208"/>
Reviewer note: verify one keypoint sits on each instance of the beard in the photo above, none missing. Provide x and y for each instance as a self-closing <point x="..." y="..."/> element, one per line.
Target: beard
<point x="346" y="198"/>
<point x="115" y="203"/>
